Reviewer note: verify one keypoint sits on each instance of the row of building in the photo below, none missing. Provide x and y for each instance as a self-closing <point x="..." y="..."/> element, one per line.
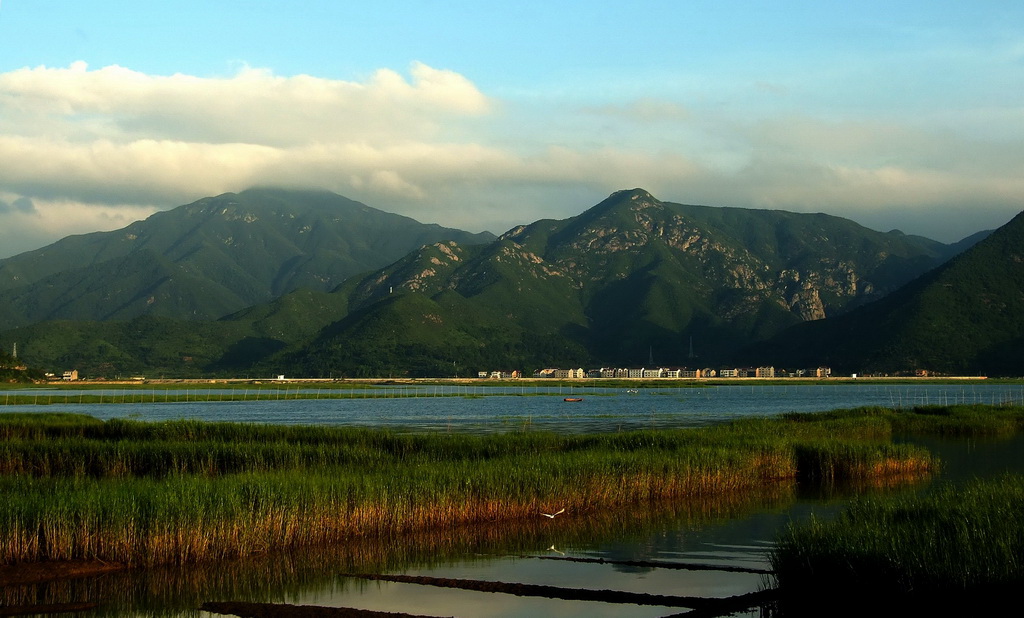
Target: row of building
<point x="664" y="372"/>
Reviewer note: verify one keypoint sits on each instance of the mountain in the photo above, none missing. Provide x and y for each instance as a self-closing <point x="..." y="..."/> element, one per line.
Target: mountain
<point x="963" y="318"/>
<point x="209" y="258"/>
<point x="629" y="279"/>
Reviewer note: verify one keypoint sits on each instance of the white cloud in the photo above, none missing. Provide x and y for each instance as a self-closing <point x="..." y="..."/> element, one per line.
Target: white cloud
<point x="94" y="148"/>
<point x="253" y="106"/>
<point x="116" y="136"/>
<point x="50" y="220"/>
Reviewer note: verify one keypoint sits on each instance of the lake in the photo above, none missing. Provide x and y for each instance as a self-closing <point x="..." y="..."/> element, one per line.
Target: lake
<point x="476" y="408"/>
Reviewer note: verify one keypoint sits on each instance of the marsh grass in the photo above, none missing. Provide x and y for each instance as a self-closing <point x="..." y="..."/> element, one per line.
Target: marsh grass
<point x="831" y="461"/>
<point x="171" y="590"/>
<point x="974" y="420"/>
<point x="185" y="491"/>
<point x="958" y="549"/>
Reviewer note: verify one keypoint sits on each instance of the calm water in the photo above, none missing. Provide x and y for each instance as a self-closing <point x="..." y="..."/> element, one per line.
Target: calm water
<point x="484" y="409"/>
<point x="734" y="532"/>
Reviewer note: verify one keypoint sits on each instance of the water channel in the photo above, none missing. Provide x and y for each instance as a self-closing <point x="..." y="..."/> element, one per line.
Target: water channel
<point x="634" y="551"/>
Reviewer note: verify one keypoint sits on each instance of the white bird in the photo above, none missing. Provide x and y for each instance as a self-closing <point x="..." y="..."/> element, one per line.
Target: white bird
<point x="552" y="515"/>
<point x="552" y="548"/>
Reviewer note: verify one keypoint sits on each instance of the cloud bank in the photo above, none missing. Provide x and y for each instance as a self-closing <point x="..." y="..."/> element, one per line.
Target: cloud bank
<point x="86" y="149"/>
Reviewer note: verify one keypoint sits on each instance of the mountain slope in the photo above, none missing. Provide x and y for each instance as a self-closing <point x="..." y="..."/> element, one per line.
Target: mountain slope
<point x="633" y="277"/>
<point x="211" y="257"/>
<point x="965" y="317"/>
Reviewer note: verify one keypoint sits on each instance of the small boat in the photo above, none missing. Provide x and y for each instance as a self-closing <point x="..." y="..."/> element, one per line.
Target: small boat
<point x="573" y="399"/>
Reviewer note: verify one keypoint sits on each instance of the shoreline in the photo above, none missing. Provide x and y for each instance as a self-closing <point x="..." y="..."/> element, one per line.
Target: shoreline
<point x="526" y="382"/>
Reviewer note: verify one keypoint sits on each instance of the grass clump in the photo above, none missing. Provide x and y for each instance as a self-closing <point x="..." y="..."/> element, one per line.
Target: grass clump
<point x="958" y="550"/>
<point x="830" y="461"/>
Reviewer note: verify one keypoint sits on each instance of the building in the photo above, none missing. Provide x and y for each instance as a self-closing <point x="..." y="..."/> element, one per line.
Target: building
<point x="570" y="373"/>
<point x="815" y="372"/>
<point x="500" y="375"/>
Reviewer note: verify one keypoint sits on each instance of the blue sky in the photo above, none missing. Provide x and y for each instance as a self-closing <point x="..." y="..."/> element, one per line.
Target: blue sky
<point x="904" y="115"/>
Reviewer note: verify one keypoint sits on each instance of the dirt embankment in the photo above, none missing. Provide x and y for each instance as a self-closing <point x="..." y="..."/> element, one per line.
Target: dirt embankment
<point x="41" y="572"/>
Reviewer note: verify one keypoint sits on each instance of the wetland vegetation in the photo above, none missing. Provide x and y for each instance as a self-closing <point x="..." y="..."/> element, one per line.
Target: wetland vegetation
<point x="181" y="491"/>
<point x="142" y="493"/>
<point x="958" y="549"/>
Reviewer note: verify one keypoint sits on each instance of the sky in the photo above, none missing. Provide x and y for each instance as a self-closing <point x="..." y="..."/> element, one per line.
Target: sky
<point x="898" y="115"/>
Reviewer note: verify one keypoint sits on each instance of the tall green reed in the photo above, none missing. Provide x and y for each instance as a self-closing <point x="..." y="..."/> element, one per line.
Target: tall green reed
<point x="184" y="491"/>
<point x="958" y="549"/>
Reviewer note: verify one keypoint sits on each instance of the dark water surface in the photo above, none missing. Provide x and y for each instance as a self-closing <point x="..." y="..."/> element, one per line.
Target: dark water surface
<point x="734" y="531"/>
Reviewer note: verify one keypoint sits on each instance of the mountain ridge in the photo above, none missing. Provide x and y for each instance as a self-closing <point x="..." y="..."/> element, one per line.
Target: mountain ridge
<point x="218" y="255"/>
<point x="634" y="273"/>
<point x="630" y="277"/>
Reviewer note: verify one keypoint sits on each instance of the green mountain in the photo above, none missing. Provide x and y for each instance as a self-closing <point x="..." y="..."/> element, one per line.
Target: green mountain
<point x="630" y="278"/>
<point x="963" y="318"/>
<point x="209" y="258"/>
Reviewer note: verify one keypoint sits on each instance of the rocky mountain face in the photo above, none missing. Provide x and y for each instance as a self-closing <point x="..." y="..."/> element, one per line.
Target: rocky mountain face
<point x="634" y="277"/>
<point x="209" y="258"/>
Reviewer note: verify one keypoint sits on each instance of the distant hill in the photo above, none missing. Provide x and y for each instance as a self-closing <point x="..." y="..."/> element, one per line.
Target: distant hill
<point x="209" y="258"/>
<point x="965" y="317"/>
<point x="629" y="279"/>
